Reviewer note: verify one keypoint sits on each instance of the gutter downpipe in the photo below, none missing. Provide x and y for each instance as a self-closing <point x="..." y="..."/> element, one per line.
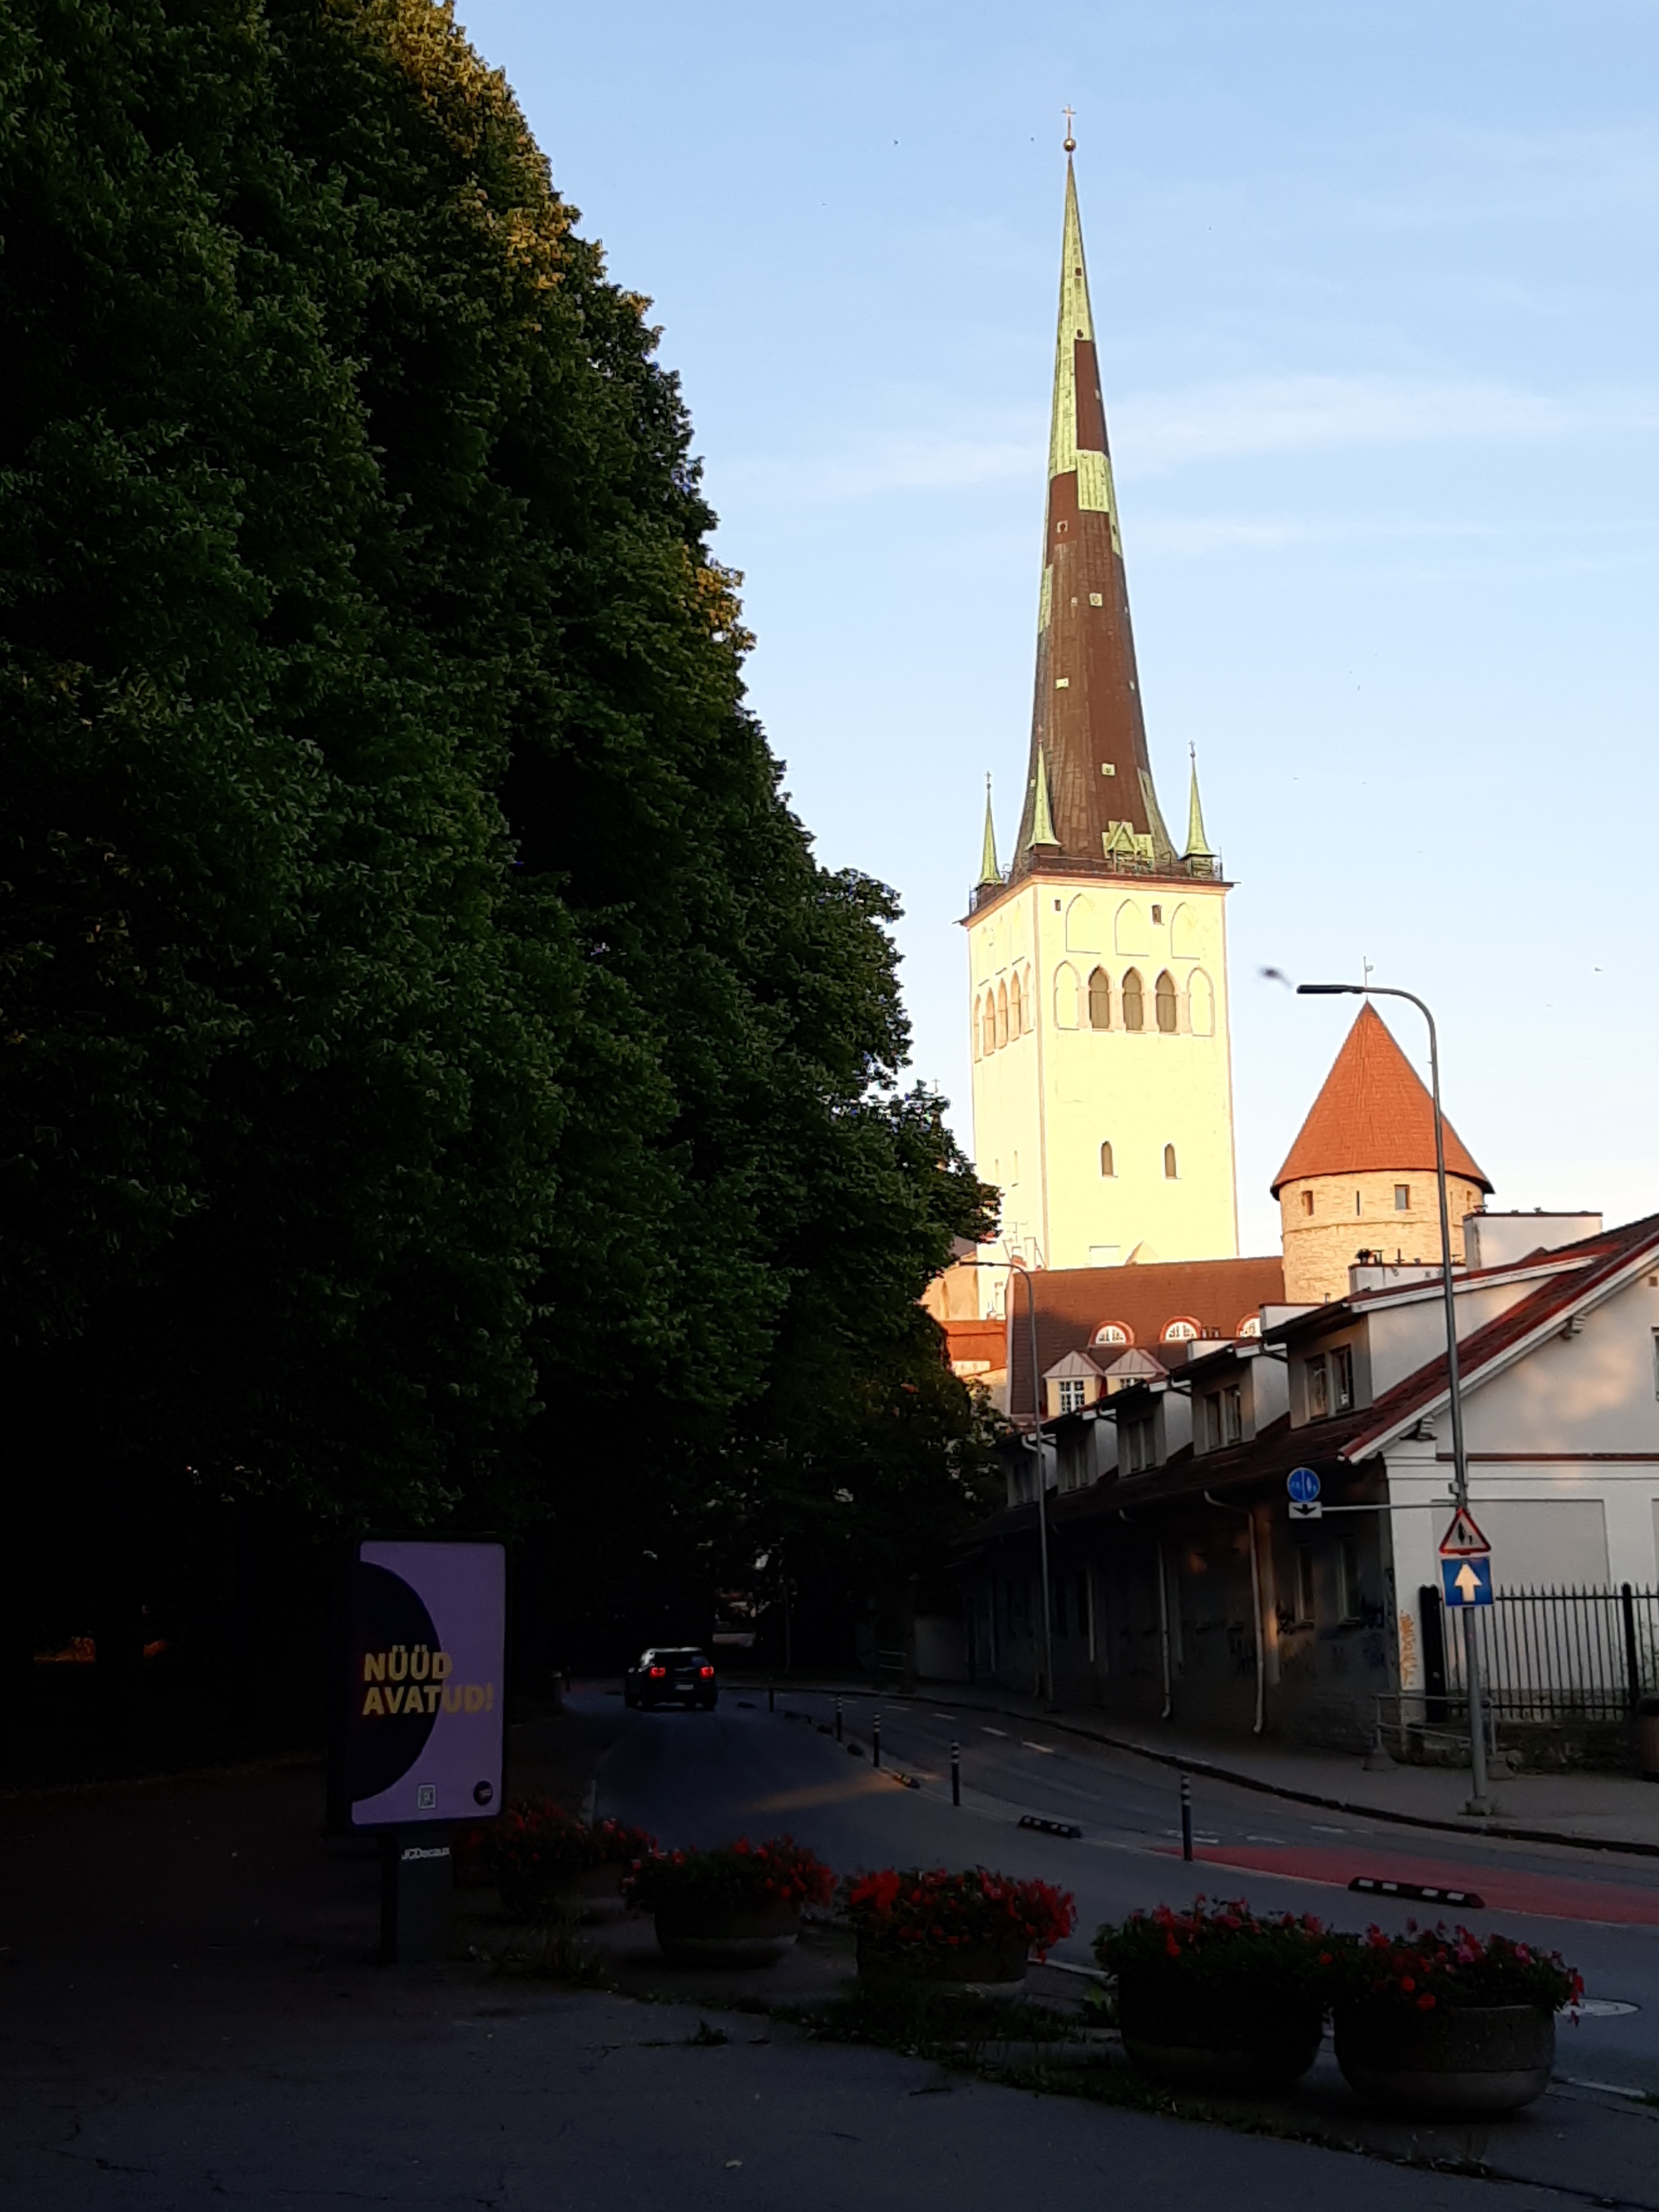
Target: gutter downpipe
<point x="1163" y="1620"/>
<point x="1257" y="1636"/>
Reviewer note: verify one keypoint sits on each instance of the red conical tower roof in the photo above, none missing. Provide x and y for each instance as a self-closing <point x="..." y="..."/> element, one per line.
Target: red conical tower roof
<point x="1088" y="737"/>
<point x="1373" y="1115"/>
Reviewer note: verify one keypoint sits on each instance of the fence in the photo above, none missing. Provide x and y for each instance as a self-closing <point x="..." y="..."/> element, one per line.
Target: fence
<point x="1549" y="1654"/>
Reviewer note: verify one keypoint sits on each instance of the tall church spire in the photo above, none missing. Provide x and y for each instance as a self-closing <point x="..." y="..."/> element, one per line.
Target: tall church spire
<point x="1086" y="720"/>
<point x="1198" y="845"/>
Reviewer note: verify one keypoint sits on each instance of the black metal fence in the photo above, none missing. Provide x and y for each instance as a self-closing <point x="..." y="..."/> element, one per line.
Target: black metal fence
<point x="1552" y="1655"/>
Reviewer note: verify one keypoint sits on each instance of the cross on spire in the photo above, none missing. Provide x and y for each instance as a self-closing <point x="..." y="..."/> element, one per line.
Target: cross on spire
<point x="1071" y="140"/>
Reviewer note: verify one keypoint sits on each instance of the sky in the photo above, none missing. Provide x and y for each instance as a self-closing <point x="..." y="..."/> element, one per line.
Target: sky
<point x="1374" y="295"/>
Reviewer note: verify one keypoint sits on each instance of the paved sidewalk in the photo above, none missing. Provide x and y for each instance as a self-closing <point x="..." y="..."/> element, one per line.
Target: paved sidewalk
<point x="1598" y="1812"/>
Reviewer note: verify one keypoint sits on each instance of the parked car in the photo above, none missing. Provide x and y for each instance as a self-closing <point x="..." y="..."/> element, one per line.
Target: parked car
<point x="676" y="1676"/>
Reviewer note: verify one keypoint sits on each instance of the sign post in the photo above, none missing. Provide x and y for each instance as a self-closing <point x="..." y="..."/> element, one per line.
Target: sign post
<point x="419" y="1715"/>
<point x="1302" y="1485"/>
<point x="1466" y="1582"/>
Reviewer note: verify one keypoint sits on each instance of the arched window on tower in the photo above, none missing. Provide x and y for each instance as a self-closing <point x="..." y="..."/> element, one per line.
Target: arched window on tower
<point x="987" y="1026"/>
<point x="1170" y="1172"/>
<point x="1106" y="1166"/>
<point x="1163" y="998"/>
<point x="1135" y="1002"/>
<point x="1066" y="996"/>
<point x="1002" y="1014"/>
<point x="1015" y="1006"/>
<point x="1100" y="1000"/>
<point x="1029" y="1005"/>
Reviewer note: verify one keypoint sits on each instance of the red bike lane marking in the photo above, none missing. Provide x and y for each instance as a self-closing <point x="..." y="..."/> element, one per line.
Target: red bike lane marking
<point x="1552" y="1897"/>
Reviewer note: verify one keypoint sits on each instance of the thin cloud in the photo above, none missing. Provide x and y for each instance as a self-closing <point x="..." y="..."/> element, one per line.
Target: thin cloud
<point x="1155" y="432"/>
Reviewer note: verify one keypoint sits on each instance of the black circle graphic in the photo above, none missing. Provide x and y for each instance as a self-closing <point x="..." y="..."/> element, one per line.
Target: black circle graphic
<point x="388" y="1617"/>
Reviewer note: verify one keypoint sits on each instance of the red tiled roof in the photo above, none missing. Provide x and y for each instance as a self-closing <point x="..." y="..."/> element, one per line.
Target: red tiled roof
<point x="1372" y="1114"/>
<point x="1072" y="1302"/>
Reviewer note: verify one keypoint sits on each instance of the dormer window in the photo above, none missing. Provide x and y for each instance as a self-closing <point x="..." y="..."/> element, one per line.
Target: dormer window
<point x="1139" y="1445"/>
<point x="1330" y="1382"/>
<point x="1224" y="1417"/>
<point x="1073" y="1394"/>
<point x="1113" y="1332"/>
<point x="1181" y="1330"/>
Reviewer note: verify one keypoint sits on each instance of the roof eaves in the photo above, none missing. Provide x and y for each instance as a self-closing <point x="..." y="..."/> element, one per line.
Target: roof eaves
<point x="1505" y="1351"/>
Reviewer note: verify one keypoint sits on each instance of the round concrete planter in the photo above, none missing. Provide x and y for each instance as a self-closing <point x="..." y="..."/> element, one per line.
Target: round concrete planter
<point x="697" y="1935"/>
<point x="1001" y="1962"/>
<point x="1457" y="2059"/>
<point x="1193" y="2037"/>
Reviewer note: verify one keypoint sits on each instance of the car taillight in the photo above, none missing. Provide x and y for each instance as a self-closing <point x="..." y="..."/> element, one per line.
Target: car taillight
<point x="657" y="1674"/>
<point x="706" y="1672"/>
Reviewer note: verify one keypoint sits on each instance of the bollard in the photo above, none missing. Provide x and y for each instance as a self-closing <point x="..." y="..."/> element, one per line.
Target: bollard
<point x="1186" y="1817"/>
<point x="771" y="1698"/>
<point x="838" y="1736"/>
<point x="956" y="1774"/>
<point x="875" y="1742"/>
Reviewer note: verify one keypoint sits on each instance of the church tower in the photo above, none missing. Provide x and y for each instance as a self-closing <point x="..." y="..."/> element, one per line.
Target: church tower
<point x="1102" y="1082"/>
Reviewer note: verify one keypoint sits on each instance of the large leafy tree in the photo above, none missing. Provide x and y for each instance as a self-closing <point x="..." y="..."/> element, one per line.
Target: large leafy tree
<point x="419" y="1006"/>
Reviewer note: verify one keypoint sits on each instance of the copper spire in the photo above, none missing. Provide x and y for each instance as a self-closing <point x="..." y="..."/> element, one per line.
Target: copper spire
<point x="1087" y="733"/>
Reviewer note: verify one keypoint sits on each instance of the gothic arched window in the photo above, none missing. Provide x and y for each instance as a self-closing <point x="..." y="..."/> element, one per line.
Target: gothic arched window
<point x="1135" y="1002"/>
<point x="1169" y="1171"/>
<point x="987" y="1026"/>
<point x="1163" y="998"/>
<point x="1002" y="1013"/>
<point x="1106" y="1166"/>
<point x="1100" y="1000"/>
<point x="1015" y="1006"/>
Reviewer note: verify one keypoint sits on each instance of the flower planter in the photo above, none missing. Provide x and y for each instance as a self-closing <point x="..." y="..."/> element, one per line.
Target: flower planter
<point x="999" y="1960"/>
<point x="706" y="1936"/>
<point x="1470" y="2059"/>
<point x="1193" y="2037"/>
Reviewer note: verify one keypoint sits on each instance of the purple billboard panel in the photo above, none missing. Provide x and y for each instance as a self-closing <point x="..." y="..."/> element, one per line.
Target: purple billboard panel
<point x="426" y="1634"/>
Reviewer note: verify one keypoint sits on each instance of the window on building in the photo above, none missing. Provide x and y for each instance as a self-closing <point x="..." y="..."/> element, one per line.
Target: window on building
<point x="1316" y="1376"/>
<point x="1341" y="1379"/>
<point x="1158" y="914"/>
<point x="1402" y="1198"/>
<point x="1100" y="1000"/>
<point x="1307" y="1201"/>
<point x="1347" y="1578"/>
<point x="1181" y="1330"/>
<point x="1138" y="1449"/>
<point x="1656" y="1362"/>
<point x="1232" y="1414"/>
<point x="1107" y="1168"/>
<point x="1164" y="1000"/>
<point x="1002" y="1013"/>
<point x="1250" y="1326"/>
<point x="1356" y="1202"/>
<point x="1171" y="1171"/>
<point x="1135" y="1002"/>
<point x="987" y="1024"/>
<point x="1072" y="1393"/>
<point x="1015" y="1008"/>
<point x="1115" y="1332"/>
<point x="1304" y="1584"/>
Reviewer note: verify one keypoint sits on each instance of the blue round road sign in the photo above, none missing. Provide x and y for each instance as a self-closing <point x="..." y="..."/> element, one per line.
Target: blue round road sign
<point x="1303" y="1483"/>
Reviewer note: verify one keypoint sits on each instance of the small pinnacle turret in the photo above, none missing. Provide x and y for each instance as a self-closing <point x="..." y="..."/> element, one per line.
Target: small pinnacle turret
<point x="1043" y="819"/>
<point x="1198" y="845"/>
<point x="989" y="871"/>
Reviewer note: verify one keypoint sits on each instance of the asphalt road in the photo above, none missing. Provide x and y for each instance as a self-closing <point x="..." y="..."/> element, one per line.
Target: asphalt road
<point x="706" y="1779"/>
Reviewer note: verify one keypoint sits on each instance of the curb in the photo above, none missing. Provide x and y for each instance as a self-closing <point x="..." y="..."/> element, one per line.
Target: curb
<point x="1503" y="1831"/>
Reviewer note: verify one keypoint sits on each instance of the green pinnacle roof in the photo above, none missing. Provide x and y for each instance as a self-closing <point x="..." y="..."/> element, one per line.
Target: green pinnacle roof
<point x="989" y="873"/>
<point x="1198" y="846"/>
<point x="1042" y="820"/>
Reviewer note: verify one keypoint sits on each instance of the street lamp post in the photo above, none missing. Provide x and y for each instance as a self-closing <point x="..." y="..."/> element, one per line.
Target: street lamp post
<point x="1024" y="1273"/>
<point x="1479" y="1803"/>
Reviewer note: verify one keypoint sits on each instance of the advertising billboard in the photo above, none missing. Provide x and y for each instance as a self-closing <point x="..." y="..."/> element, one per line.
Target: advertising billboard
<point x="419" y="1730"/>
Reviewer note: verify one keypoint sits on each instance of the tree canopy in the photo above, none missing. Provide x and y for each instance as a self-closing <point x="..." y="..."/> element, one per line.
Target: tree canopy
<point x="428" y="1032"/>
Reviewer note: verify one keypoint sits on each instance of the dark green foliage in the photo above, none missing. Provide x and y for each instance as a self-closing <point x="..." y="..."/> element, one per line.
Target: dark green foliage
<point x="418" y="1005"/>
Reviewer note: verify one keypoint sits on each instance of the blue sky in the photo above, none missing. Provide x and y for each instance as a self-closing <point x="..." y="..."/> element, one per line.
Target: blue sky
<point x="1374" y="291"/>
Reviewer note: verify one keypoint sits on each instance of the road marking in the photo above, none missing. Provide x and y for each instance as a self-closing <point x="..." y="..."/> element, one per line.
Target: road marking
<point x="991" y="1731"/>
<point x="1320" y="1829"/>
<point x="865" y="1783"/>
<point x="1047" y="1749"/>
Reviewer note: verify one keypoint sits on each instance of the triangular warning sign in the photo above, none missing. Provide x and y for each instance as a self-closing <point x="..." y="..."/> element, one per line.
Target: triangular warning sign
<point x="1463" y="1540"/>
